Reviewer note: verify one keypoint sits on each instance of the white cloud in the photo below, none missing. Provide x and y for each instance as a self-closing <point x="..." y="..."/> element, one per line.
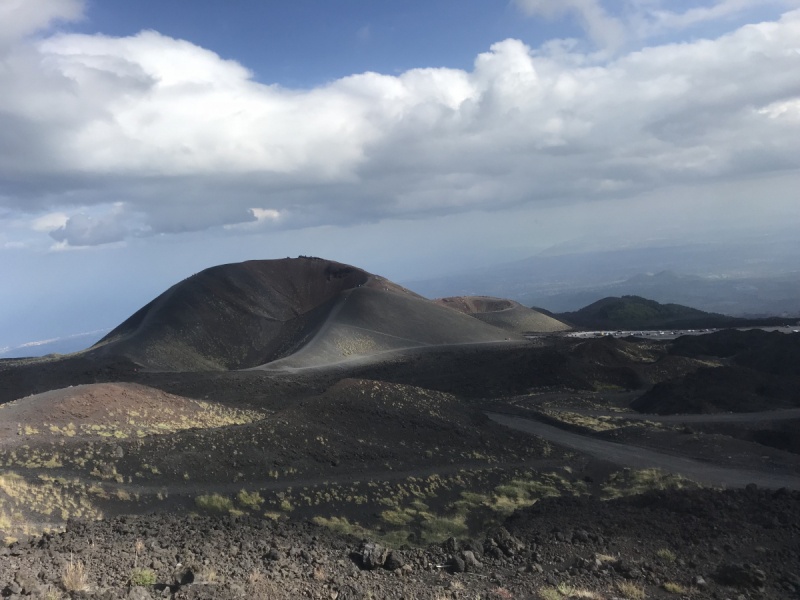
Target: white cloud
<point x="184" y="140"/>
<point x="85" y="230"/>
<point x="606" y="31"/>
<point x="49" y="222"/>
<point x="20" y="18"/>
<point x="639" y="19"/>
<point x="652" y="19"/>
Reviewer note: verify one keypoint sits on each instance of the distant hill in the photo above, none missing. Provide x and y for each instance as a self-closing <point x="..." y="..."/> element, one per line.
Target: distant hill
<point x="306" y="311"/>
<point x="635" y="312"/>
<point x="506" y="314"/>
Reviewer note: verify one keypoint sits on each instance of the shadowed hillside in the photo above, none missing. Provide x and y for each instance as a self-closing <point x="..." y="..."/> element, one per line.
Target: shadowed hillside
<point x="237" y="315"/>
<point x="243" y="315"/>
<point x="506" y="314"/>
<point x="635" y="312"/>
<point x="763" y="373"/>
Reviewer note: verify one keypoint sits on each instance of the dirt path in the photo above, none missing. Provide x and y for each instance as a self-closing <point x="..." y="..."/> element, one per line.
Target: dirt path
<point x="383" y="355"/>
<point x="640" y="458"/>
<point x="769" y="415"/>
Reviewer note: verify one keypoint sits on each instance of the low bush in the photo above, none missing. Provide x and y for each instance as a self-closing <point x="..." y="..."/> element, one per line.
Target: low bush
<point x="143" y="577"/>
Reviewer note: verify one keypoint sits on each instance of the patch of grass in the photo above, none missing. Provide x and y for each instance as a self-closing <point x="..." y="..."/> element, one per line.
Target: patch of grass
<point x="52" y="594"/>
<point x="392" y="539"/>
<point x="252" y="500"/>
<point x="606" y="558"/>
<point x="666" y="555"/>
<point x="569" y="591"/>
<point x="397" y="517"/>
<point x="438" y="529"/>
<point x="75" y="578"/>
<point x="143" y="577"/>
<point x="629" y="482"/>
<point x="549" y="594"/>
<point x="674" y="588"/>
<point x="631" y="590"/>
<point x="214" y="502"/>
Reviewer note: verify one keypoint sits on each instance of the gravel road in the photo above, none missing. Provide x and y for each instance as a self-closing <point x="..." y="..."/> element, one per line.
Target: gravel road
<point x="640" y="458"/>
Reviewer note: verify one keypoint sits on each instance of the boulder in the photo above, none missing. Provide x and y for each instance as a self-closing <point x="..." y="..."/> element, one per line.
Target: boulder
<point x="393" y="561"/>
<point x="471" y="563"/>
<point x="740" y="575"/>
<point x="373" y="555"/>
<point x="139" y="593"/>
<point x="502" y="539"/>
<point x="457" y="564"/>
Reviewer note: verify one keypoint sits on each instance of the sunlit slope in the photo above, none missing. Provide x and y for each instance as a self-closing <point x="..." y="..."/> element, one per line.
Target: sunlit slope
<point x="506" y="314"/>
<point x="236" y="316"/>
<point x="109" y="410"/>
<point x="371" y="320"/>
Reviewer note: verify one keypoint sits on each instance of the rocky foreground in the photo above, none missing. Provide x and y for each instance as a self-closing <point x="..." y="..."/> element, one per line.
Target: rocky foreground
<point x="662" y="544"/>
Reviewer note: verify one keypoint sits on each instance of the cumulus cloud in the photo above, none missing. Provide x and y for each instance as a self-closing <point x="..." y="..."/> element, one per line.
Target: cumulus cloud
<point x="184" y="140"/>
<point x="605" y="30"/>
<point x="84" y="230"/>
<point x="20" y="18"/>
<point x="49" y="222"/>
<point x="639" y="19"/>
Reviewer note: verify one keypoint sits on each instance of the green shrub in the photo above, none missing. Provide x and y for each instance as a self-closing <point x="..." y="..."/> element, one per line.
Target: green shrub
<point x="143" y="577"/>
<point x="253" y="500"/>
<point x="214" y="502"/>
<point x="666" y="555"/>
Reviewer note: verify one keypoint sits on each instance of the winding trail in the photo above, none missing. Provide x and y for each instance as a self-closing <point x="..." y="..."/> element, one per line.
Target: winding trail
<point x="768" y="415"/>
<point x="641" y="458"/>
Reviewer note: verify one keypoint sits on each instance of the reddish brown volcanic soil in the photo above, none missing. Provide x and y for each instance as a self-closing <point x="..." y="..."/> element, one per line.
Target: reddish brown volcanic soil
<point x="110" y="410"/>
<point x="470" y="305"/>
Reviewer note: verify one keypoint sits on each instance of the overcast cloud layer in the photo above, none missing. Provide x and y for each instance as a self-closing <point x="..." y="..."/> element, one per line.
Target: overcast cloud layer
<point x="105" y="138"/>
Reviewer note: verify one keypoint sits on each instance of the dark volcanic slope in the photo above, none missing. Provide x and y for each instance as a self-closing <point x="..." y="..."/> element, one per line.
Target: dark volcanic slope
<point x="307" y="311"/>
<point x="367" y="321"/>
<point x="237" y="315"/>
<point x="506" y="314"/>
<point x="763" y="374"/>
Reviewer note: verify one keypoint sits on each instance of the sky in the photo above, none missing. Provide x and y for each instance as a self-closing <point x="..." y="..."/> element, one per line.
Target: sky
<point x="143" y="141"/>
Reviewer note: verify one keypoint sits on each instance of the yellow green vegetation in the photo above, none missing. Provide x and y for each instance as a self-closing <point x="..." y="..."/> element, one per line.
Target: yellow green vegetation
<point x="567" y="591"/>
<point x="75" y="577"/>
<point x="629" y="482"/>
<point x="602" y="423"/>
<point x="214" y="502"/>
<point x="126" y="423"/>
<point x="392" y="539"/>
<point x="143" y="577"/>
<point x="250" y="500"/>
<point x="630" y="590"/>
<point x="51" y="500"/>
<point x="407" y="509"/>
<point x="666" y="555"/>
<point x="520" y="492"/>
<point x="674" y="588"/>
